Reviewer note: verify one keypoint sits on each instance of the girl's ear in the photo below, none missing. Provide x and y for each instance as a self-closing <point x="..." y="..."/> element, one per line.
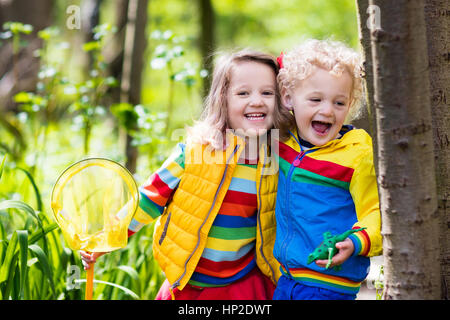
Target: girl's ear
<point x="286" y="100"/>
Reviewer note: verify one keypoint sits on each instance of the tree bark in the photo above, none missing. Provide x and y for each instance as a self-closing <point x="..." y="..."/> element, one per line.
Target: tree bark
<point x="405" y="152"/>
<point x="437" y="16"/>
<point x="90" y="19"/>
<point x="115" y="49"/>
<point x="131" y="83"/>
<point x="39" y="15"/>
<point x="207" y="40"/>
<point x="368" y="120"/>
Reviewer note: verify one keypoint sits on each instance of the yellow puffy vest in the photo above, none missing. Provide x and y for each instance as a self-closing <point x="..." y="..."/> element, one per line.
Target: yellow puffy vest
<point x="183" y="229"/>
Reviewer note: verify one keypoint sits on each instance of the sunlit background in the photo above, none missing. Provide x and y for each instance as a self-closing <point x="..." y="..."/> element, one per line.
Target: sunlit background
<point x="69" y="109"/>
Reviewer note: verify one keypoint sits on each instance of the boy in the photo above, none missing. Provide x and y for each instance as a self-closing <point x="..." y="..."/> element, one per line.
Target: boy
<point x="327" y="179"/>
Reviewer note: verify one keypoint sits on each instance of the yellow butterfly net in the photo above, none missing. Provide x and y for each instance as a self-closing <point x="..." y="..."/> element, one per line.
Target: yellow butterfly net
<point x="93" y="202"/>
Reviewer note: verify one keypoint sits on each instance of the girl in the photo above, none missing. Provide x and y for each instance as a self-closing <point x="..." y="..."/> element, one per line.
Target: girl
<point x="215" y="195"/>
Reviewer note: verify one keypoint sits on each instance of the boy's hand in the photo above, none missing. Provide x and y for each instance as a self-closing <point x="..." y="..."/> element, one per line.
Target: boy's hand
<point x="90" y="258"/>
<point x="345" y="248"/>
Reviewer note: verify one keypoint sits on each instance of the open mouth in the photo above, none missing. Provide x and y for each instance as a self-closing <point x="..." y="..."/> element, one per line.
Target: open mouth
<point x="321" y="127"/>
<point x="256" y="116"/>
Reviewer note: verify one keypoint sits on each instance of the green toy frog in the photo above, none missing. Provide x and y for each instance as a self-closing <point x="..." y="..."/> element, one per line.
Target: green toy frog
<point x="327" y="249"/>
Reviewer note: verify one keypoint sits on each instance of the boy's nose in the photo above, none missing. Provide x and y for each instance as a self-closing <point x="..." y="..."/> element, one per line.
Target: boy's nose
<point x="326" y="108"/>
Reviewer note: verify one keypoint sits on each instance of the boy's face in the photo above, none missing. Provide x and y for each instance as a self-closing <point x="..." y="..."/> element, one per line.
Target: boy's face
<point x="320" y="104"/>
<point x="251" y="98"/>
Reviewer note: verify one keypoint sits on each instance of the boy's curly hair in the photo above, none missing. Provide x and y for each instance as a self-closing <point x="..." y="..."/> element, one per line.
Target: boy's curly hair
<point x="333" y="56"/>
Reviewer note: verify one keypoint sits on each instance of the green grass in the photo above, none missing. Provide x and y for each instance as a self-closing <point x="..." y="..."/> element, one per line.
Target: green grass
<point x="36" y="264"/>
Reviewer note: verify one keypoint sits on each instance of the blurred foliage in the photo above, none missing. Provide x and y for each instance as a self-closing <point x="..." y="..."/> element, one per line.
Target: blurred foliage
<point x="71" y="115"/>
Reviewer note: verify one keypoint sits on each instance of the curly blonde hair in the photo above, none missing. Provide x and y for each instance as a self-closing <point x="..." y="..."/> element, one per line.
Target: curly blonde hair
<point x="329" y="55"/>
<point x="213" y="122"/>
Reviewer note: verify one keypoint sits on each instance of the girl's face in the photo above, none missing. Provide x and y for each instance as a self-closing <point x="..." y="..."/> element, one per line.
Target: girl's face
<point x="320" y="104"/>
<point x="251" y="98"/>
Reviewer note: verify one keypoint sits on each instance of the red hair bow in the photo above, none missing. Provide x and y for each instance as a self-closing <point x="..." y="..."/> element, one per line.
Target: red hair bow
<point x="280" y="60"/>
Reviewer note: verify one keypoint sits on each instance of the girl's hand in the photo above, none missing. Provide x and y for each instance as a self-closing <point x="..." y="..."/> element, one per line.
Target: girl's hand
<point x="89" y="258"/>
<point x="345" y="248"/>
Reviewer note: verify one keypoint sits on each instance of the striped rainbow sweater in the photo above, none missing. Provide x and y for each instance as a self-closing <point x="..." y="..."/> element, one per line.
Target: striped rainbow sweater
<point x="230" y="249"/>
<point x="328" y="188"/>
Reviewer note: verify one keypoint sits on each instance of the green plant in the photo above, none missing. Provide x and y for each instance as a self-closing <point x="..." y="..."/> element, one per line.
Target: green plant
<point x="166" y="54"/>
<point x="379" y="284"/>
<point x="39" y="108"/>
<point x="147" y="129"/>
<point x="30" y="241"/>
<point x="14" y="30"/>
<point x="89" y="93"/>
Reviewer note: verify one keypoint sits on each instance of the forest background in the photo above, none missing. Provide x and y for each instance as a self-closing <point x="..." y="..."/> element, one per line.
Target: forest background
<point x="116" y="79"/>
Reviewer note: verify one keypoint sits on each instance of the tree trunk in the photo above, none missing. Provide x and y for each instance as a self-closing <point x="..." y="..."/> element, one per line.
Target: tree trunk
<point x="115" y="49"/>
<point x="368" y="120"/>
<point x="207" y="40"/>
<point x="437" y="15"/>
<point x="39" y="15"/>
<point x="90" y="19"/>
<point x="135" y="43"/>
<point x="405" y="152"/>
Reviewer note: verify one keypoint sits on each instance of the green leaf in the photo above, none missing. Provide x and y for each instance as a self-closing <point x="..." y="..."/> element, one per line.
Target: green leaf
<point x="2" y="165"/>
<point x="126" y="290"/>
<point x="18" y="27"/>
<point x="24" y="97"/>
<point x="36" y="236"/>
<point x="126" y="114"/>
<point x="6" y="264"/>
<point x="133" y="274"/>
<point x="16" y="204"/>
<point x="43" y="260"/>
<point x="48" y="33"/>
<point x="23" y="245"/>
<point x="35" y="188"/>
<point x="90" y="46"/>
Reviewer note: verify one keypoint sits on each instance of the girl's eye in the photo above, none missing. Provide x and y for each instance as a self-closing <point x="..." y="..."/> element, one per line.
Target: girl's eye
<point x="340" y="103"/>
<point x="242" y="93"/>
<point x="314" y="99"/>
<point x="268" y="93"/>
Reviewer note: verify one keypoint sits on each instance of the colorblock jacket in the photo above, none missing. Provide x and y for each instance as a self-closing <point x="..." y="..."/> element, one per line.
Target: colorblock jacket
<point x="329" y="188"/>
<point x="182" y="230"/>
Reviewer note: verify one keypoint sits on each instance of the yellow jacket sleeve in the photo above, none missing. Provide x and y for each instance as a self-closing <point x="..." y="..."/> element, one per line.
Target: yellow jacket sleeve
<point x="363" y="188"/>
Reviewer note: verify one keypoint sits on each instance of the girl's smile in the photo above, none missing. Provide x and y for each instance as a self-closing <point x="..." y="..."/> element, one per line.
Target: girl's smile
<point x="251" y="98"/>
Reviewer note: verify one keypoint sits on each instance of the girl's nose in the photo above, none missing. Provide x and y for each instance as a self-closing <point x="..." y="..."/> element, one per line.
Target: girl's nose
<point x="256" y="100"/>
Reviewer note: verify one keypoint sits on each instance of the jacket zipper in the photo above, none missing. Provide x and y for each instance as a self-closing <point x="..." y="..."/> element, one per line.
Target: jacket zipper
<point x="259" y="222"/>
<point x="289" y="235"/>
<point x="286" y="191"/>
<point x="177" y="282"/>
<point x="166" y="225"/>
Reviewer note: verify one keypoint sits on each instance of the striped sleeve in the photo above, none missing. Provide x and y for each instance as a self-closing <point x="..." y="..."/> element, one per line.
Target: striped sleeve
<point x="155" y="193"/>
<point x="363" y="188"/>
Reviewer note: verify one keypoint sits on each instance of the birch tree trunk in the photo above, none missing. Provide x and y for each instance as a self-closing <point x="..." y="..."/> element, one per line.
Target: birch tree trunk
<point x="437" y="17"/>
<point x="405" y="152"/>
<point x="364" y="22"/>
